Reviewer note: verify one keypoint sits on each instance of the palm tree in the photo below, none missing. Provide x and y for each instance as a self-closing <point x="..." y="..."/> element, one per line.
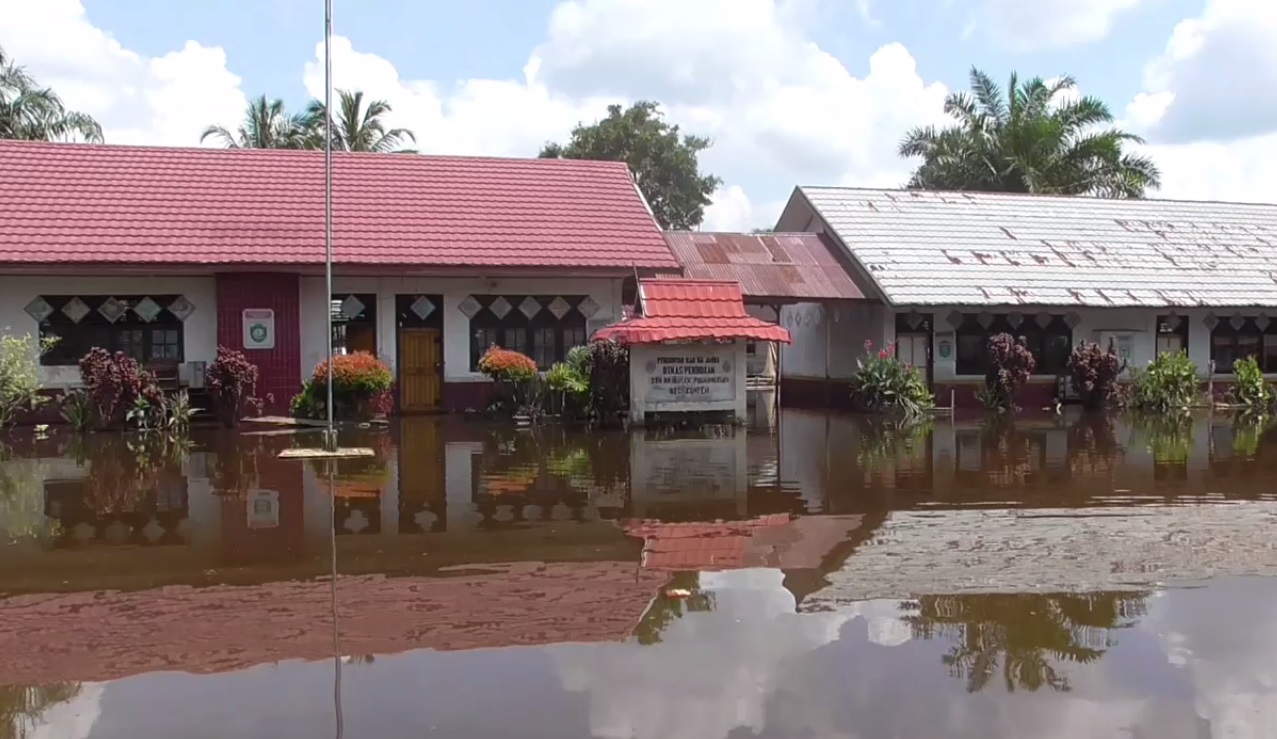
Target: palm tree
<point x="33" y="113"/>
<point x="1032" y="140"/>
<point x="356" y="126"/>
<point x="267" y="125"/>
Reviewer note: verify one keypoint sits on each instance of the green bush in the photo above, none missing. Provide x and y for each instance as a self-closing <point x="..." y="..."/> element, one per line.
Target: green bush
<point x="1168" y="383"/>
<point x="19" y="375"/>
<point x="1250" y="389"/>
<point x="883" y="383"/>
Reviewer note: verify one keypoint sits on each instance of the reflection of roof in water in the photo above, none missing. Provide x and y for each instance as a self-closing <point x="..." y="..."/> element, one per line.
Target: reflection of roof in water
<point x="1010" y="550"/>
<point x="104" y="635"/>
<point x="778" y="540"/>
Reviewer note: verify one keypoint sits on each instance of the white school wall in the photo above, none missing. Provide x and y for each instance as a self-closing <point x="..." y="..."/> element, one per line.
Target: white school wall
<point x="199" y="330"/>
<point x="1094" y="324"/>
<point x="813" y="352"/>
<point x="853" y="323"/>
<point x="606" y="292"/>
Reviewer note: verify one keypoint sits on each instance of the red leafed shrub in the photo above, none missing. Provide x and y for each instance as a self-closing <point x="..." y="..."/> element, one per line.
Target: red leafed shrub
<point x="505" y="364"/>
<point x="1094" y="372"/>
<point x="114" y="383"/>
<point x="232" y="383"/>
<point x="1010" y="365"/>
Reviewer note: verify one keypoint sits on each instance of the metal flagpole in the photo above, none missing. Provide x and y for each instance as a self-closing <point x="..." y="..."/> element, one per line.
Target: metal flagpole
<point x="330" y="432"/>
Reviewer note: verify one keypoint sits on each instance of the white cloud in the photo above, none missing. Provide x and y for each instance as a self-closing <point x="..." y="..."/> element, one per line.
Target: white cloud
<point x="1049" y="24"/>
<point x="779" y="109"/>
<point x="1212" y="127"/>
<point x="1218" y="74"/>
<point x="166" y="100"/>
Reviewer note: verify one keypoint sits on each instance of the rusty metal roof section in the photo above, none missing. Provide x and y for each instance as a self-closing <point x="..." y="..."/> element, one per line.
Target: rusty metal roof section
<point x="965" y="248"/>
<point x="785" y="266"/>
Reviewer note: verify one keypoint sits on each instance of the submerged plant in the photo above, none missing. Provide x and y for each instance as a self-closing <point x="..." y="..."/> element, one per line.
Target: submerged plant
<point x="19" y="375"/>
<point x="609" y="373"/>
<point x="76" y="409"/>
<point x="1094" y="372"/>
<point x="114" y="384"/>
<point x="1250" y="389"/>
<point x="1168" y="383"/>
<point x="884" y="383"/>
<point x="1010" y="365"/>
<point x="362" y="389"/>
<point x="232" y="382"/>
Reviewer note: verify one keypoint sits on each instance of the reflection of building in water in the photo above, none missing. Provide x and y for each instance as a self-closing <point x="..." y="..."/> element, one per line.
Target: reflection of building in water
<point x="689" y="476"/>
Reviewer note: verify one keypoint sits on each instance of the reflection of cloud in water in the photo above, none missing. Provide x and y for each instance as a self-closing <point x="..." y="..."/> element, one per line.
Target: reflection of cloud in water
<point x="73" y="719"/>
<point x="1225" y="638"/>
<point x="712" y="674"/>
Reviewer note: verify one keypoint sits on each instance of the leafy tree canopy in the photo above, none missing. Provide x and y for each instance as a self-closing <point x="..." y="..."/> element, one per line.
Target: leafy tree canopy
<point x="1034" y="137"/>
<point x="33" y="113"/>
<point x="663" y="160"/>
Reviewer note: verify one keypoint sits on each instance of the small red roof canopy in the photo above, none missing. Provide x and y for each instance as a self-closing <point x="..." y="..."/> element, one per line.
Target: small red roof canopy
<point x="691" y="310"/>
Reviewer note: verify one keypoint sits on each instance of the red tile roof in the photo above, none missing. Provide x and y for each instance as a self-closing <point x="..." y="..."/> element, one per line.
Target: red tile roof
<point x="83" y="204"/>
<point x="783" y="266"/>
<point x="691" y="310"/>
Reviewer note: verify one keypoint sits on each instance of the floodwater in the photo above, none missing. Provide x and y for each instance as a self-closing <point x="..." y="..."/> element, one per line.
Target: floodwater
<point x="826" y="576"/>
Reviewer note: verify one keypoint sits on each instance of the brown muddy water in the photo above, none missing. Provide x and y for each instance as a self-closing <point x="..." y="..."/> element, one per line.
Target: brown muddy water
<point x="825" y="577"/>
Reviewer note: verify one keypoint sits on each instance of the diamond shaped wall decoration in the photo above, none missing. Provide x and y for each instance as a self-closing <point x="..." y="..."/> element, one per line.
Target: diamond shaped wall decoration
<point x="1262" y="321"/>
<point x="1015" y="319"/>
<point x="500" y="307"/>
<point x="1237" y="321"/>
<point x="469" y="306"/>
<point x="1044" y="319"/>
<point x="985" y="319"/>
<point x="1071" y="320"/>
<point x="1210" y="321"/>
<point x="955" y="319"/>
<point x="111" y="309"/>
<point x="559" y="307"/>
<point x="75" y="309"/>
<point x="181" y="307"/>
<point x="913" y="320"/>
<point x="352" y="307"/>
<point x="147" y="309"/>
<point x="530" y="307"/>
<point x="39" y="309"/>
<point x="587" y="307"/>
<point x="422" y="307"/>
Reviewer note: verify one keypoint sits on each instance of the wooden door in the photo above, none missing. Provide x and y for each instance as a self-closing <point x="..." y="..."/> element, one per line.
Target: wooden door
<point x="420" y="369"/>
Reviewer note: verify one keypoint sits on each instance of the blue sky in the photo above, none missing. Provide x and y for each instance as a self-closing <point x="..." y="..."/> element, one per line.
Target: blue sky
<point x="791" y="91"/>
<point x="447" y="41"/>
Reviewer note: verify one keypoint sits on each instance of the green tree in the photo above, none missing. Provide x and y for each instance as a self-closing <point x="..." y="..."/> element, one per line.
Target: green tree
<point x="357" y="126"/>
<point x="664" y="161"/>
<point x="34" y="113"/>
<point x="1032" y="139"/>
<point x="267" y="125"/>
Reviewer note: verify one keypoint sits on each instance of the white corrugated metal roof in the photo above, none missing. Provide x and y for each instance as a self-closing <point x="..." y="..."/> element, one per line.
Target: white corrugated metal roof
<point x="937" y="248"/>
